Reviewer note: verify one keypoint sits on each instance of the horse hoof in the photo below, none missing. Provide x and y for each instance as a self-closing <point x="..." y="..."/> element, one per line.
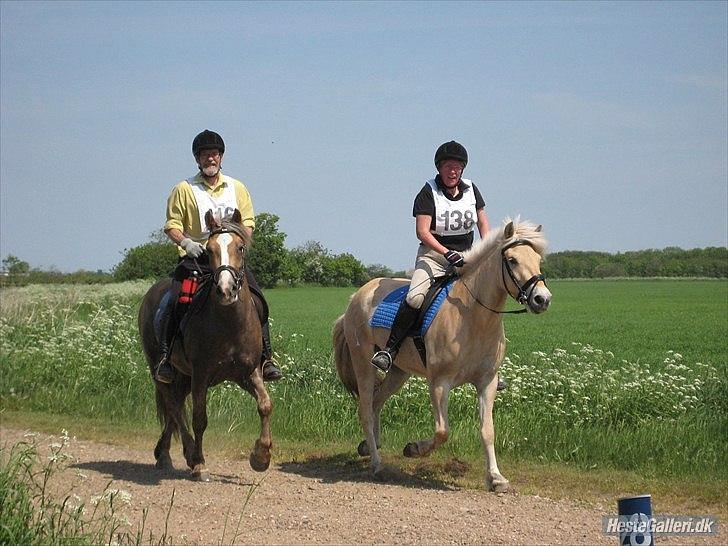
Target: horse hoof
<point x="411" y="450"/>
<point x="259" y="464"/>
<point x="500" y="486"/>
<point x="164" y="463"/>
<point x="260" y="457"/>
<point x="199" y="474"/>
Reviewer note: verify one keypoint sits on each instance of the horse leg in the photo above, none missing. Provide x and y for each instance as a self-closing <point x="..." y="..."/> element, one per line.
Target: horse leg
<point x="199" y="424"/>
<point x="183" y="386"/>
<point x="486" y="397"/>
<point x="393" y="381"/>
<point x="260" y="456"/>
<point x="169" y="426"/>
<point x="161" y="450"/>
<point x="439" y="395"/>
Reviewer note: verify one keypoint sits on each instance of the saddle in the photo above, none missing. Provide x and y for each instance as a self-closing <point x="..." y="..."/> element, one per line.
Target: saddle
<point x="198" y="299"/>
<point x="383" y="316"/>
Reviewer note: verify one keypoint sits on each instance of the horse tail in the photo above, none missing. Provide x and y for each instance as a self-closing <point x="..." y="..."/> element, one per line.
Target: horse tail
<point x="342" y="358"/>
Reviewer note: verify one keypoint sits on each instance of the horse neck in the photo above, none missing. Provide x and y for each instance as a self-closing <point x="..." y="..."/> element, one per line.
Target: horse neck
<point x="485" y="282"/>
<point x="227" y="316"/>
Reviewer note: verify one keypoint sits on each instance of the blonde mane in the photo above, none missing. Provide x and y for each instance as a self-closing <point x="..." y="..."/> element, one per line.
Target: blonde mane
<point x="495" y="240"/>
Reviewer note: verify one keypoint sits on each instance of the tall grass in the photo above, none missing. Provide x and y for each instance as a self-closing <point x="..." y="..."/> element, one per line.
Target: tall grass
<point x="625" y="374"/>
<point x="31" y="514"/>
<point x="40" y="505"/>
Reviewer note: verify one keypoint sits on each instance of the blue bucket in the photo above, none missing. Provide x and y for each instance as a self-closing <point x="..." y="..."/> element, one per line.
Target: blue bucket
<point x="638" y="510"/>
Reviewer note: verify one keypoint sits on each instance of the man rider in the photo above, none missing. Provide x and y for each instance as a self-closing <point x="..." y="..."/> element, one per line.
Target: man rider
<point x="187" y="204"/>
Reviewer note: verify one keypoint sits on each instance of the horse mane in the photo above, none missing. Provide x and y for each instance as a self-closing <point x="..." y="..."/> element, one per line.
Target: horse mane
<point x="227" y="224"/>
<point x="496" y="239"/>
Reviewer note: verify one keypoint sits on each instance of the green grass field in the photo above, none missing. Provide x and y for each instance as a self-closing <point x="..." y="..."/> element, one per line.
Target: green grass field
<point x="616" y="376"/>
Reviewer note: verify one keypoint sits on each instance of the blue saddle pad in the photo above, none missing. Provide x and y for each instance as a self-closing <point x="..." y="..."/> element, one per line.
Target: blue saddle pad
<point x="385" y="312"/>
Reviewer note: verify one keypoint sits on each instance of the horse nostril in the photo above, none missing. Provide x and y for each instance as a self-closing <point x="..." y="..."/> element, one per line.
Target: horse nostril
<point x="539" y="300"/>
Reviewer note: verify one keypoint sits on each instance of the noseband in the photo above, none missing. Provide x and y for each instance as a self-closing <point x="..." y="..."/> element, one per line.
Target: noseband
<point x="526" y="290"/>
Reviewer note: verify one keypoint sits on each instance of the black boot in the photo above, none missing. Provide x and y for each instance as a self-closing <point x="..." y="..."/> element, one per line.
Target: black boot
<point x="403" y="321"/>
<point x="164" y="372"/>
<point x="271" y="371"/>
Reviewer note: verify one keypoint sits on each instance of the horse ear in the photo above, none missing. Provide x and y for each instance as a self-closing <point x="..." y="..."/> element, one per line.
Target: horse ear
<point x="509" y="230"/>
<point x="210" y="221"/>
<point x="539" y="228"/>
<point x="237" y="217"/>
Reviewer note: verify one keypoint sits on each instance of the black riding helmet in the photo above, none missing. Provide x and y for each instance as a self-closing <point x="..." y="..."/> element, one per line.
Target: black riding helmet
<point x="451" y="150"/>
<point x="208" y="140"/>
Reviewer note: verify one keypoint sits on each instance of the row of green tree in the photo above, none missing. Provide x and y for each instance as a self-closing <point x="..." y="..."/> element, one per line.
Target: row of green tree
<point x="312" y="263"/>
<point x="669" y="262"/>
<point x="272" y="262"/>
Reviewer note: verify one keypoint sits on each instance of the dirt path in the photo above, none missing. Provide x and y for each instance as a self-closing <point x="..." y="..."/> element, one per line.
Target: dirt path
<point x="317" y="502"/>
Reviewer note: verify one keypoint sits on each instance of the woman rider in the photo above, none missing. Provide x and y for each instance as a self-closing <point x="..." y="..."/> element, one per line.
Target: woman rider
<point x="447" y="210"/>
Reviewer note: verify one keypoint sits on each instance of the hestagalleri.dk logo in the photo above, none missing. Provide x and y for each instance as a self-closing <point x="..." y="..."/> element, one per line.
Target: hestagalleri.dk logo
<point x="641" y="524"/>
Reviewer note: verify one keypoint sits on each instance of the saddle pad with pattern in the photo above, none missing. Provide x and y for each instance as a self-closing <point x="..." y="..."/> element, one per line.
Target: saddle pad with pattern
<point x="385" y="312"/>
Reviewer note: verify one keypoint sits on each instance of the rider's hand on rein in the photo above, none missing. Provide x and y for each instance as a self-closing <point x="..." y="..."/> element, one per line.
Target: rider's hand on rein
<point x="454" y="258"/>
<point x="192" y="248"/>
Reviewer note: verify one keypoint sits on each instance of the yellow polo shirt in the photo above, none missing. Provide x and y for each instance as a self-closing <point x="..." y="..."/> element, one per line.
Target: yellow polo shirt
<point x="182" y="212"/>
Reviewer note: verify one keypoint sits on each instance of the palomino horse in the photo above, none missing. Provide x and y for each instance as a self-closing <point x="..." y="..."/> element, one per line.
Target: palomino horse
<point x="221" y="341"/>
<point x="464" y="344"/>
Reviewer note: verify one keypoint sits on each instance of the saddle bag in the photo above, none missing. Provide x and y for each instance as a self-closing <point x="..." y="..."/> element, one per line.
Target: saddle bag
<point x="189" y="287"/>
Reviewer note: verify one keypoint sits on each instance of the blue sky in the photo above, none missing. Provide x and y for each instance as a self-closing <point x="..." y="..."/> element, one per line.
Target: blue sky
<point x="604" y="121"/>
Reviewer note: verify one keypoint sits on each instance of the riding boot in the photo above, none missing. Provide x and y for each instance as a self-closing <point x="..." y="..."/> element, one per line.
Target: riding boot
<point x="271" y="371"/>
<point x="403" y="321"/>
<point x="164" y="373"/>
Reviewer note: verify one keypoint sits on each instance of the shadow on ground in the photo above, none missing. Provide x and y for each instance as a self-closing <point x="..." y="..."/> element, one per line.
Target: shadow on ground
<point x="349" y="468"/>
<point x="148" y="474"/>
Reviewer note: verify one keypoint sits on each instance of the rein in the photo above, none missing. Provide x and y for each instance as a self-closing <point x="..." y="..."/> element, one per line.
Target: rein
<point x="207" y="279"/>
<point x="524" y="291"/>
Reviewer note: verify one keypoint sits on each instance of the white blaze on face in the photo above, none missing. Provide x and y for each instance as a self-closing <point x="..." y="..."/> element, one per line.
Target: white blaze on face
<point x="225" y="282"/>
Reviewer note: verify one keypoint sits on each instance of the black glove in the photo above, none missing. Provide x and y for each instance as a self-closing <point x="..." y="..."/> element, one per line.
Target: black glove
<point x="455" y="258"/>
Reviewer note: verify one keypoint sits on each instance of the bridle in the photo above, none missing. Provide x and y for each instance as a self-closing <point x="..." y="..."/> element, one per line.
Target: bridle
<point x="525" y="291"/>
<point x="237" y="274"/>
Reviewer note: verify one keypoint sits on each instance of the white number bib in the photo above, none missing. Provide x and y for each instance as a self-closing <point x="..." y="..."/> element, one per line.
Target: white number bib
<point x="221" y="206"/>
<point x="454" y="217"/>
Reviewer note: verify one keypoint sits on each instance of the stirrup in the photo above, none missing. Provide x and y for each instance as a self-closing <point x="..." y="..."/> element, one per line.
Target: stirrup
<point x="164" y="372"/>
<point x="382" y="360"/>
<point x="271" y="371"/>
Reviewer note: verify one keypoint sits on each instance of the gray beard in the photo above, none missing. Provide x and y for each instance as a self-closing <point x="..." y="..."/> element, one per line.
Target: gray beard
<point x="210" y="171"/>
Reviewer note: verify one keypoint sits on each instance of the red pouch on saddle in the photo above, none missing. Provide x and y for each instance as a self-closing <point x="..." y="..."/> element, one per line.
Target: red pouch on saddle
<point x="189" y="287"/>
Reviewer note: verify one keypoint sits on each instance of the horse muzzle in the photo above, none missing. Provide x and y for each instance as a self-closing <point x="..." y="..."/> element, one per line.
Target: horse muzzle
<point x="539" y="299"/>
<point x="227" y="284"/>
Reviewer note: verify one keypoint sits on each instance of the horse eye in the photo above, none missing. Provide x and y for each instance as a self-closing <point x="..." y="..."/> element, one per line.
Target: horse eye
<point x="512" y="261"/>
<point x="241" y="249"/>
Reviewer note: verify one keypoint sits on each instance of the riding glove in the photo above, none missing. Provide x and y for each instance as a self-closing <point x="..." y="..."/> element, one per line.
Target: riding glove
<point x="192" y="248"/>
<point x="455" y="258"/>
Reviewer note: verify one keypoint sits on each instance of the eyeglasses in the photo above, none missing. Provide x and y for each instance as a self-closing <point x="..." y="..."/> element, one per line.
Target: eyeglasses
<point x="210" y="153"/>
<point x="451" y="165"/>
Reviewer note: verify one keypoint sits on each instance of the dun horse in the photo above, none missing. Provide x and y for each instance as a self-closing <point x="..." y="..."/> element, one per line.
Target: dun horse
<point x="221" y="341"/>
<point x="464" y="344"/>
